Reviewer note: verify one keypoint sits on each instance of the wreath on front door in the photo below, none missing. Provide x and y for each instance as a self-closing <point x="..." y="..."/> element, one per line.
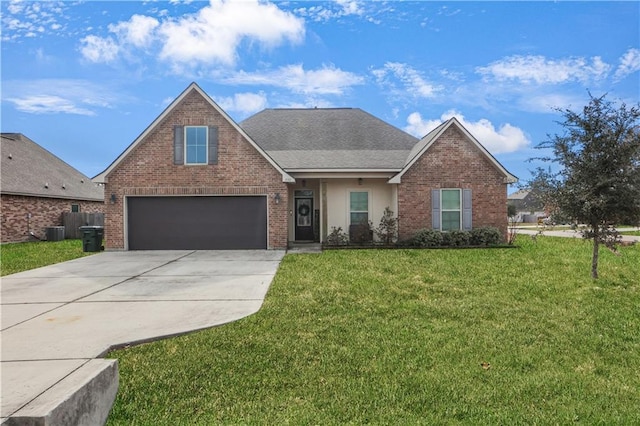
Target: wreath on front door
<point x="303" y="210"/>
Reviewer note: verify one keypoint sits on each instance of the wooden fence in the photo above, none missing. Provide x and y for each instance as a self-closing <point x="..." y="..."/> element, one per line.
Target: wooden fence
<point x="73" y="221"/>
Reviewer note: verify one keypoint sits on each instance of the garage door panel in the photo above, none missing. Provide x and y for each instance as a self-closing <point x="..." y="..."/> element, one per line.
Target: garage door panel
<point x="200" y="223"/>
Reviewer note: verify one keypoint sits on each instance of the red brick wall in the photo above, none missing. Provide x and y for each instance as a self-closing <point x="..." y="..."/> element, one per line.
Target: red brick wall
<point x="45" y="212"/>
<point x="452" y="162"/>
<point x="149" y="170"/>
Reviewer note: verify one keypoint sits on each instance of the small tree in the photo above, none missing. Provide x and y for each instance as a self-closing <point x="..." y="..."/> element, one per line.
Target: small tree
<point x="598" y="184"/>
<point x="387" y="231"/>
<point x="512" y="214"/>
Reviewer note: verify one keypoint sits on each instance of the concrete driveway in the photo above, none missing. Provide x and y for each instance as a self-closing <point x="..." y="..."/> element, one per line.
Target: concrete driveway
<point x="58" y="319"/>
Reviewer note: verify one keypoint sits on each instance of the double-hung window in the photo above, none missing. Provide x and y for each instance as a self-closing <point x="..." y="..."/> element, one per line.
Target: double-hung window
<point x="451" y="209"/>
<point x="359" y="207"/>
<point x="196" y="145"/>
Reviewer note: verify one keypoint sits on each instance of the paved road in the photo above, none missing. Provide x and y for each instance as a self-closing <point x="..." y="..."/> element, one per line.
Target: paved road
<point x="57" y="320"/>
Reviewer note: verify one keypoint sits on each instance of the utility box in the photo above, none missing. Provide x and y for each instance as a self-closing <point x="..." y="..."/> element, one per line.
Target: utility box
<point x="92" y="238"/>
<point x="55" y="233"/>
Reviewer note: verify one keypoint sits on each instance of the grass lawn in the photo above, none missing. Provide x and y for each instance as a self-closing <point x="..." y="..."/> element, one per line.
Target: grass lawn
<point x="400" y="336"/>
<point x="20" y="257"/>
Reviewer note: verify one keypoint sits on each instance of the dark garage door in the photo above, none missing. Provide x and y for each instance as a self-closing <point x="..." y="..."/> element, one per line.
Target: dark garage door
<point x="197" y="223"/>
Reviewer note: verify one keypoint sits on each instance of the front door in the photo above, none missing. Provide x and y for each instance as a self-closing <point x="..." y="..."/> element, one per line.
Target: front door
<point x="304" y="219"/>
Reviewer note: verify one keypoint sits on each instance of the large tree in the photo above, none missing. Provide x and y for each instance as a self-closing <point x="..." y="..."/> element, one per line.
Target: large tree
<point x="597" y="183"/>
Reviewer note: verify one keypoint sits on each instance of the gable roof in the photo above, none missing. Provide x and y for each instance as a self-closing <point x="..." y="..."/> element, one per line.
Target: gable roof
<point x="426" y="142"/>
<point x="102" y="177"/>
<point x="329" y="139"/>
<point x="29" y="169"/>
<point x="519" y="195"/>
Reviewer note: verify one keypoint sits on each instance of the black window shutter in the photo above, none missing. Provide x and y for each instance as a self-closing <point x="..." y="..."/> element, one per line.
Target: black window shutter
<point x="213" y="145"/>
<point x="178" y="144"/>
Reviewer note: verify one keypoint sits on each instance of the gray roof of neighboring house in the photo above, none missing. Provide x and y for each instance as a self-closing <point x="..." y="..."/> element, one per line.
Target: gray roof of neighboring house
<point x="29" y="169"/>
<point x="519" y="195"/>
<point x="329" y="138"/>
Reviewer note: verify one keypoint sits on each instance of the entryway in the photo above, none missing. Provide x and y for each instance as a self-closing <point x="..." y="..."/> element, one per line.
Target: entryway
<point x="304" y="218"/>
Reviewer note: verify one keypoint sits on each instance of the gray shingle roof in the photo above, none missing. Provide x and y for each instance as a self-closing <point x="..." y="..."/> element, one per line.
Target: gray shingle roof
<point x="329" y="138"/>
<point x="519" y="195"/>
<point x="27" y="168"/>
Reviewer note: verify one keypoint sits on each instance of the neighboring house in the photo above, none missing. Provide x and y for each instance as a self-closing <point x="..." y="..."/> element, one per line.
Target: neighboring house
<point x="195" y="179"/>
<point x="37" y="187"/>
<point x="528" y="206"/>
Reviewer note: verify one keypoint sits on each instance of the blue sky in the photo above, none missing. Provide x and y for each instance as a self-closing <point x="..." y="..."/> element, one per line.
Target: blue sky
<point x="85" y="78"/>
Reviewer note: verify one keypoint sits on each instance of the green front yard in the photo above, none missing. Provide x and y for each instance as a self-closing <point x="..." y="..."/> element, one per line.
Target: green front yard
<point x="484" y="336"/>
<point x="20" y="257"/>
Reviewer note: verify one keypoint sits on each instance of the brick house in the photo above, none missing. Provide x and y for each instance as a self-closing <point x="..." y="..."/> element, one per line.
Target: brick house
<point x="37" y="187"/>
<point x="195" y="179"/>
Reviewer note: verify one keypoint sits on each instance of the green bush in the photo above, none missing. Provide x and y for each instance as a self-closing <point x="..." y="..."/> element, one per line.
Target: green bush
<point x="459" y="238"/>
<point x="485" y="236"/>
<point x="427" y="238"/>
<point x="337" y="237"/>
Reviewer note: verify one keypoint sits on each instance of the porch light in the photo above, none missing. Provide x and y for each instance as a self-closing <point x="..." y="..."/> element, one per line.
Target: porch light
<point x="113" y="198"/>
<point x="359" y="181"/>
<point x="276" y="198"/>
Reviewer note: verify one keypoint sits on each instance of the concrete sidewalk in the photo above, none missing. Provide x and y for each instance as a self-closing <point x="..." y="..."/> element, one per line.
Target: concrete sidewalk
<point x="568" y="233"/>
<point x="58" y="320"/>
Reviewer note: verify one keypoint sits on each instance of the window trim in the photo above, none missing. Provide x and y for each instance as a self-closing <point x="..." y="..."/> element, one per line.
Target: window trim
<point x="206" y="146"/>
<point x="459" y="209"/>
<point x="349" y="211"/>
<point x="77" y="208"/>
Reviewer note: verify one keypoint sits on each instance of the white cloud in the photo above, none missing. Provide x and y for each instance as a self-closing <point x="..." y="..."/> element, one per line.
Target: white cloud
<point x="31" y="19"/>
<point x="43" y="104"/>
<point x="213" y="35"/>
<point x="327" y="80"/>
<point x="507" y="138"/>
<point x="540" y="70"/>
<point x="336" y="9"/>
<point x="216" y="31"/>
<point x="137" y="31"/>
<point x="412" y="81"/>
<point x="50" y="96"/>
<point x="99" y="49"/>
<point x="350" y="7"/>
<point x="629" y="63"/>
<point x="245" y="103"/>
<point x="547" y="103"/>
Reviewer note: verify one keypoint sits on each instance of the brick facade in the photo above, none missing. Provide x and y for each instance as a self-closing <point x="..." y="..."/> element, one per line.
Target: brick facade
<point x="45" y="212"/>
<point x="149" y="170"/>
<point x="453" y="161"/>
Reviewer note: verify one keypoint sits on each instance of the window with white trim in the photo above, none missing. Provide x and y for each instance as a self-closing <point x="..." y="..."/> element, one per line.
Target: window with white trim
<point x="451" y="209"/>
<point x="196" y="146"/>
<point x="358" y="207"/>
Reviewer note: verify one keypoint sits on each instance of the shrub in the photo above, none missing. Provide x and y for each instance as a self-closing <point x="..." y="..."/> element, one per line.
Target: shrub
<point x="485" y="236"/>
<point x="459" y="238"/>
<point x="427" y="238"/>
<point x="337" y="237"/>
<point x="388" y="229"/>
<point x="446" y="239"/>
